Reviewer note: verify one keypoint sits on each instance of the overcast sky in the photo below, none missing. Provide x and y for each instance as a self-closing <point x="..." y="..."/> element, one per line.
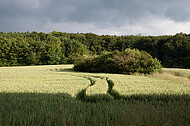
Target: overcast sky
<point x="115" y="17"/>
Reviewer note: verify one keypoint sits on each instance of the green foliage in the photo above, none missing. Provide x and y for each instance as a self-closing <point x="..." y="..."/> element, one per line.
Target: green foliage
<point x="84" y="63"/>
<point x="128" y="61"/>
<point x="61" y="109"/>
<point x="59" y="48"/>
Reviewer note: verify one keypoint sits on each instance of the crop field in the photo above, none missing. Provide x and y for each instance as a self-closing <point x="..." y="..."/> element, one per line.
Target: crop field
<point x="134" y="85"/>
<point x="40" y="80"/>
<point x="178" y="72"/>
<point x="58" y="95"/>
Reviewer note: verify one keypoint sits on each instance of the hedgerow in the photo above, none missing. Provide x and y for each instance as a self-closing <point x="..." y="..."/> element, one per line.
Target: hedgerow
<point x="125" y="62"/>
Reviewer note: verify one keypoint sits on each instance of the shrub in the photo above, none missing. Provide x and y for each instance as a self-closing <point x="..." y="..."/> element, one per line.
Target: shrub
<point x="125" y="62"/>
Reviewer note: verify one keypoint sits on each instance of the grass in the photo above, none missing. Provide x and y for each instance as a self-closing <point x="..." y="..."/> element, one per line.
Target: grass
<point x="57" y="95"/>
<point x="40" y="79"/>
<point x="99" y="87"/>
<point x="178" y="72"/>
<point x="133" y="85"/>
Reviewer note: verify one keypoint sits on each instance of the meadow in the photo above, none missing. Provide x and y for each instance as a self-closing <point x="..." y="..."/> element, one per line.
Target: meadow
<point x="58" y="95"/>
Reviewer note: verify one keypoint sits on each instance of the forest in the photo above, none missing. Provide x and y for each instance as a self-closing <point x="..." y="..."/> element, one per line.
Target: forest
<point x="38" y="48"/>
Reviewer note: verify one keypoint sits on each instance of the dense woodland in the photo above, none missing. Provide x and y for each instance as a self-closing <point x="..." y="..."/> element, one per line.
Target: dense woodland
<point x="33" y="48"/>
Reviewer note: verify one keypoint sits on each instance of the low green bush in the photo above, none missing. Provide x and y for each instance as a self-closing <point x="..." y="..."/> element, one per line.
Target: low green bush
<point x="125" y="62"/>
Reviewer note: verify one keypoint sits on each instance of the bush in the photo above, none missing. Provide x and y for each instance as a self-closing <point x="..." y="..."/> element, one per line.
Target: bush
<point x="125" y="62"/>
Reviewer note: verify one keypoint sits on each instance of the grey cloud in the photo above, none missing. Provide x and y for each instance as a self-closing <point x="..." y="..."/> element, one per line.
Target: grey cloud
<point x="178" y="13"/>
<point x="100" y="13"/>
<point x="116" y="12"/>
<point x="91" y="10"/>
<point x="23" y="8"/>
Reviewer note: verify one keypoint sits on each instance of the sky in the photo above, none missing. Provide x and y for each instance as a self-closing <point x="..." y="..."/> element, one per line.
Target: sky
<point x="108" y="17"/>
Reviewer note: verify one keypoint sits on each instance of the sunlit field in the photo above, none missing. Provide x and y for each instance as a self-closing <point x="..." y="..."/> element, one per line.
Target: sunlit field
<point x="40" y="79"/>
<point x="131" y="84"/>
<point x="57" y="95"/>
<point x="178" y="72"/>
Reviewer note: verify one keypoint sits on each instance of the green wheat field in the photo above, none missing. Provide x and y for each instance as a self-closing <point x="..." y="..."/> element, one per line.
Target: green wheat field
<point x="58" y="95"/>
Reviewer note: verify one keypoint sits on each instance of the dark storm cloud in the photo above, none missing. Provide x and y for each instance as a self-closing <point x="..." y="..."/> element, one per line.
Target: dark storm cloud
<point x="100" y="13"/>
<point x="97" y="11"/>
<point x="116" y="10"/>
<point x="179" y="13"/>
<point x="23" y="8"/>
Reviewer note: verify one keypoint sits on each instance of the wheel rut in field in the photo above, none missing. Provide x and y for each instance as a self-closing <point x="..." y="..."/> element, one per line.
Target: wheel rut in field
<point x="100" y="89"/>
<point x="115" y="94"/>
<point x="111" y="94"/>
<point x="96" y="91"/>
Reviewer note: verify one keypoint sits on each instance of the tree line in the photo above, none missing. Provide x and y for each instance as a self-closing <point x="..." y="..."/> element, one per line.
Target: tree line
<point x="37" y="48"/>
